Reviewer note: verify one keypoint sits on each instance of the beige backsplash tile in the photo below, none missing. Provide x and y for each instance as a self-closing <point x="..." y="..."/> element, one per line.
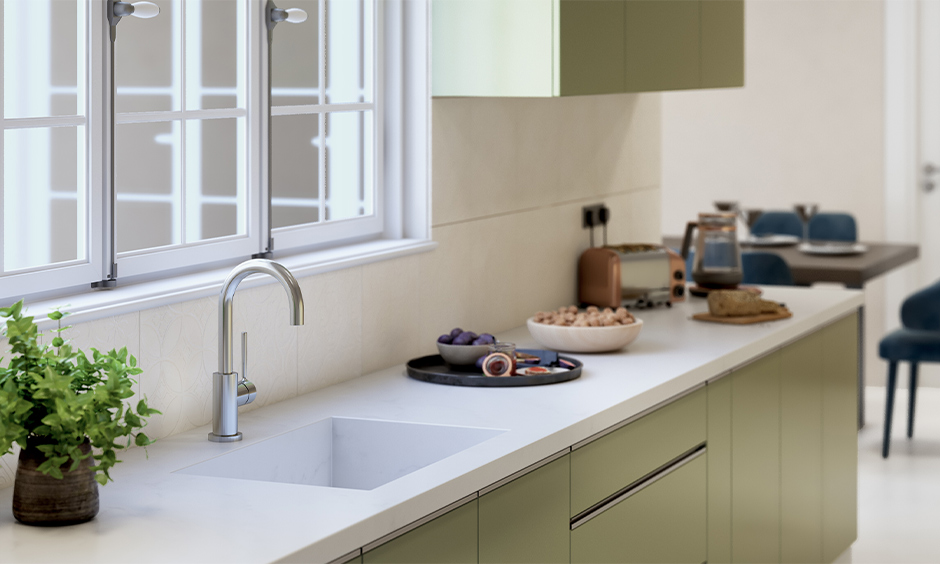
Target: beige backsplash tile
<point x="497" y="155"/>
<point x="391" y="313"/>
<point x="329" y="345"/>
<point x="179" y="354"/>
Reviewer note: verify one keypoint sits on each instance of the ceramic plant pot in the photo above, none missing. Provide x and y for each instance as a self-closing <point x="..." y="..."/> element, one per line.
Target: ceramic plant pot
<point x="45" y="501"/>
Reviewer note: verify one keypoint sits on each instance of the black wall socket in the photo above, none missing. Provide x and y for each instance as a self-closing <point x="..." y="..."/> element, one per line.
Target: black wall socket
<point x="592" y="216"/>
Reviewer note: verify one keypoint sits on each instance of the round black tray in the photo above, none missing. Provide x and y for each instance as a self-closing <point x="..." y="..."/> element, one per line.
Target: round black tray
<point x="433" y="369"/>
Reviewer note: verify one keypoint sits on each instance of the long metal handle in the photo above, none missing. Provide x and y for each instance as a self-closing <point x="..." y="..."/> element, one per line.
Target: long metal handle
<point x="246" y="390"/>
<point x="638" y="486"/>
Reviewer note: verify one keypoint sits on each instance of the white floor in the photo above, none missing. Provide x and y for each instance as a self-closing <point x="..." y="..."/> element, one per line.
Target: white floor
<point x="899" y="498"/>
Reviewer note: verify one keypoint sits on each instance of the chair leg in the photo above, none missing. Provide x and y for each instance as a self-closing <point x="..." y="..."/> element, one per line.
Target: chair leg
<point x="889" y="406"/>
<point x="912" y="398"/>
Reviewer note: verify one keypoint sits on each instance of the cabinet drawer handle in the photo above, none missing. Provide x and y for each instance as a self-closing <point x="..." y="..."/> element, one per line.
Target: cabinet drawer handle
<point x="638" y="486"/>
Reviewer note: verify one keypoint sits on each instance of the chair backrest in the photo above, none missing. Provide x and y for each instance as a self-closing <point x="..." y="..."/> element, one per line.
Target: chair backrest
<point x="921" y="310"/>
<point x="765" y="269"/>
<point x="778" y="223"/>
<point x="832" y="227"/>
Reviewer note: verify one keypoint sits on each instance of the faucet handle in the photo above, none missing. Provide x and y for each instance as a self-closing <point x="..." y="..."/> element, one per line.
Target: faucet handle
<point x="246" y="390"/>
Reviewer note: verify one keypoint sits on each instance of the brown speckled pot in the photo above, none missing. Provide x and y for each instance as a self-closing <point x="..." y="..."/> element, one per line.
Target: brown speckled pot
<point x="45" y="501"/>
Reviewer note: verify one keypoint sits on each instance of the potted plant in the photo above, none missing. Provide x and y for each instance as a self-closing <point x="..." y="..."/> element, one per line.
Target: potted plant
<point x="68" y="413"/>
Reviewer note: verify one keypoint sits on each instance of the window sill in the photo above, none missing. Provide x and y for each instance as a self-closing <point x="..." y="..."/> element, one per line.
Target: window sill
<point x="89" y="306"/>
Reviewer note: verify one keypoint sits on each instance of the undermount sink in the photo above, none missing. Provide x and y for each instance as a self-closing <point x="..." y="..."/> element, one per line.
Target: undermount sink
<point x="341" y="452"/>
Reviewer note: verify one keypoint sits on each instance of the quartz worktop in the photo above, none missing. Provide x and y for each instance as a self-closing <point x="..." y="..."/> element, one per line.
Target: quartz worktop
<point x="153" y="514"/>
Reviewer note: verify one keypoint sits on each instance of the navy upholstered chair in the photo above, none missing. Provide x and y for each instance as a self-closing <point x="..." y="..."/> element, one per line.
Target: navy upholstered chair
<point x="757" y="268"/>
<point x="917" y="341"/>
<point x="833" y="227"/>
<point x="765" y="269"/>
<point x="778" y="223"/>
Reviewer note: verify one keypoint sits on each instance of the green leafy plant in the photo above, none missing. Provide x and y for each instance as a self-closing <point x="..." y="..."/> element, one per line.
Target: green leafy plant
<point x="58" y="398"/>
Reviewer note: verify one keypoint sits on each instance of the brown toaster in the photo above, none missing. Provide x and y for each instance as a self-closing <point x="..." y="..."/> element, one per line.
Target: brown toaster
<point x="630" y="275"/>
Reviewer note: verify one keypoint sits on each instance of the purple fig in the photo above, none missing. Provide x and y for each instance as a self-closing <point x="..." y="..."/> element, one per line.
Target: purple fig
<point x="455" y="331"/>
<point x="486" y="338"/>
<point x="446" y="339"/>
<point x="462" y="339"/>
<point x="480" y="362"/>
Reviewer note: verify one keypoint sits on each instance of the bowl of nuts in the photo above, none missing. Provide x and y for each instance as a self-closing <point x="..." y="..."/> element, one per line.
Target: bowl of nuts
<point x="591" y="330"/>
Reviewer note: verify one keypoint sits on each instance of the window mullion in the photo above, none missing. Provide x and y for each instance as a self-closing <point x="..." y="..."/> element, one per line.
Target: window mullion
<point x="321" y="117"/>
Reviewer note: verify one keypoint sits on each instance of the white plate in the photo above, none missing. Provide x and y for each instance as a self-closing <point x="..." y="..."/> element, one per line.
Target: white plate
<point x="771" y="240"/>
<point x="833" y="248"/>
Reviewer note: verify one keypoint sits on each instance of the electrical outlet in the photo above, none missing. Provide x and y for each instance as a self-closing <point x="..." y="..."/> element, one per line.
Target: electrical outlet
<point x="590" y="216"/>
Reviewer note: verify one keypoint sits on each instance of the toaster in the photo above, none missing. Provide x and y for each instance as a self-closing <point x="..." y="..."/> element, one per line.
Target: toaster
<point x="631" y="275"/>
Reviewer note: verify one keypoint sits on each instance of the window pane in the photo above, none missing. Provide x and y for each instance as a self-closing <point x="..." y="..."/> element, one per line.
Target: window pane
<point x="147" y="177"/>
<point x="295" y="58"/>
<point x="44" y="206"/>
<point x="42" y="61"/>
<point x="349" y="160"/>
<point x="215" y="191"/>
<point x="296" y="157"/>
<point x="214" y="46"/>
<point x="146" y="73"/>
<point x="349" y="51"/>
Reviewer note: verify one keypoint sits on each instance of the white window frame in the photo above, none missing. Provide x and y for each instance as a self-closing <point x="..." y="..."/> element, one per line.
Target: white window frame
<point x="403" y="206"/>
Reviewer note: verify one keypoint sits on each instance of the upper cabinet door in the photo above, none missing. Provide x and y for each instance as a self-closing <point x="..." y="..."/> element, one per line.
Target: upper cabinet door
<point x="541" y="48"/>
<point x="492" y="47"/>
<point x="722" y="43"/>
<point x="591" y="47"/>
<point x="663" y="45"/>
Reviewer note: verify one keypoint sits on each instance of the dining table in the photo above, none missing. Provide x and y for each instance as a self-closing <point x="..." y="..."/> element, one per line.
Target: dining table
<point x="852" y="270"/>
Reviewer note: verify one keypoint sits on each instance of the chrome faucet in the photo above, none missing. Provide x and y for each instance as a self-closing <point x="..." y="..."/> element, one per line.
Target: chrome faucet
<point x="227" y="391"/>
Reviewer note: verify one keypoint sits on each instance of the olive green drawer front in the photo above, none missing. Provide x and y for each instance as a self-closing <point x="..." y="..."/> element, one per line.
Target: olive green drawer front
<point x="719" y="470"/>
<point x="722" y="43"/>
<point x="801" y="381"/>
<point x="448" y="539"/>
<point x="840" y="437"/>
<point x="662" y="523"/>
<point x="755" y="461"/>
<point x="662" y="45"/>
<point x="614" y="461"/>
<point x="592" y="50"/>
<point x="526" y="520"/>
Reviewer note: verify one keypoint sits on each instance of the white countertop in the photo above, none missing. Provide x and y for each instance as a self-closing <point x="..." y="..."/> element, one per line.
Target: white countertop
<point x="151" y="514"/>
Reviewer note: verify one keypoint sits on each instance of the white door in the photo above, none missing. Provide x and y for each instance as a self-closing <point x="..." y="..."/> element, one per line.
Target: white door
<point x="912" y="151"/>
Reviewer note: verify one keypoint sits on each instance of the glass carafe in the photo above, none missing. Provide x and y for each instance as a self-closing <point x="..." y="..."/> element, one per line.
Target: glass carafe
<point x="717" y="262"/>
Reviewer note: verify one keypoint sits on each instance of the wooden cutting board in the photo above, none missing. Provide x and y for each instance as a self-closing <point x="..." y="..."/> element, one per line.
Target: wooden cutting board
<point x="744" y="319"/>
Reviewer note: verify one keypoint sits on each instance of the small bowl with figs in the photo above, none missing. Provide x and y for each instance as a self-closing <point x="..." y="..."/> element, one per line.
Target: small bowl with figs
<point x="463" y="348"/>
<point x="592" y="330"/>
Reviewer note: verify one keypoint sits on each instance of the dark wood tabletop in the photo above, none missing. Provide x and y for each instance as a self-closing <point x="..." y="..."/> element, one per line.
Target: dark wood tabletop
<point x="853" y="270"/>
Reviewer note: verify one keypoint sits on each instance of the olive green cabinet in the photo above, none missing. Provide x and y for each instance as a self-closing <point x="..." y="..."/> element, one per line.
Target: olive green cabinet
<point x="782" y="453"/>
<point x="661" y="522"/>
<point x="840" y="436"/>
<point x="638" y="493"/>
<point x="542" y="48"/>
<point x="526" y="520"/>
<point x="448" y="539"/>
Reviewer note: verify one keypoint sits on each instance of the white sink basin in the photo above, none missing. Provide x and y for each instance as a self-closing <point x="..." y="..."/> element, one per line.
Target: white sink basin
<point x="339" y="452"/>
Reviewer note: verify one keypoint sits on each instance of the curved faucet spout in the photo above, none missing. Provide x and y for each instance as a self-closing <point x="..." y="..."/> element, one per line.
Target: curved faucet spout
<point x="242" y="271"/>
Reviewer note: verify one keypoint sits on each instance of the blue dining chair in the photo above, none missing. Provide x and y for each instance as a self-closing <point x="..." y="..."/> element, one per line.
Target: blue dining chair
<point x="766" y="269"/>
<point x="761" y="268"/>
<point x="833" y="227"/>
<point x="778" y="223"/>
<point x="917" y="341"/>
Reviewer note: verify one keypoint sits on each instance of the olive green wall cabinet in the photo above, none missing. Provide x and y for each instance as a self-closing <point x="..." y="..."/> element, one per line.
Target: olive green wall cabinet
<point x="782" y="453"/>
<point x="542" y="48"/>
<point x="526" y="520"/>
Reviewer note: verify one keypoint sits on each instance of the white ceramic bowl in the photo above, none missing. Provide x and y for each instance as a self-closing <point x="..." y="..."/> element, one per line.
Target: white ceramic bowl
<point x="464" y="355"/>
<point x="584" y="339"/>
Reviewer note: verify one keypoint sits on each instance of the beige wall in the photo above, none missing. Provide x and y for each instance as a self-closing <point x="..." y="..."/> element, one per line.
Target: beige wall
<point x="509" y="179"/>
<point x="807" y="126"/>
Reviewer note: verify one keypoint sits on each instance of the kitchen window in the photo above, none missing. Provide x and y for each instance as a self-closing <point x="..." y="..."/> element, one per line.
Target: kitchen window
<point x="191" y="171"/>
